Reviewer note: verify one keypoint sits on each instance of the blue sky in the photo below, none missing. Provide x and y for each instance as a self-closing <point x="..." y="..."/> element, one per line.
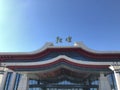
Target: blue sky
<point x="26" y="25"/>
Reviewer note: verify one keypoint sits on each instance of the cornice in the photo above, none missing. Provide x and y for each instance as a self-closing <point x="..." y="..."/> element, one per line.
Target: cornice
<point x="49" y="47"/>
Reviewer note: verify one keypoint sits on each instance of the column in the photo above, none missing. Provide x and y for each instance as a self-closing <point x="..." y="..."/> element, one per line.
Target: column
<point x="12" y="82"/>
<point x="1" y="76"/>
<point x="104" y="83"/>
<point x="117" y="79"/>
<point x="23" y="84"/>
<point x="3" y="81"/>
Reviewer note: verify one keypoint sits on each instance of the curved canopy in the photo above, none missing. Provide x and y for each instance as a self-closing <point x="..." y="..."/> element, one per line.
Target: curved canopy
<point x="49" y="57"/>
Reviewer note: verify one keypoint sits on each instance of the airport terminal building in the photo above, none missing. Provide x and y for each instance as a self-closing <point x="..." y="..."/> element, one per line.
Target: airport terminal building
<point x="60" y="68"/>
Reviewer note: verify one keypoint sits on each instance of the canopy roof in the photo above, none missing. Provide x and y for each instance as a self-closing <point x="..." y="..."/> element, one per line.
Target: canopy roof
<point x="78" y="49"/>
<point x="50" y="56"/>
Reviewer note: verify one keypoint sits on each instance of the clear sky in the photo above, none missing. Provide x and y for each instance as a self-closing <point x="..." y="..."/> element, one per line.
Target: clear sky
<point x="26" y="25"/>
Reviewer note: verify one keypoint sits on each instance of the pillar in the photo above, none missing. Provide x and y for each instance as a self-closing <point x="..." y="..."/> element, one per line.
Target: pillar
<point x="117" y="79"/>
<point x="12" y="82"/>
<point x="23" y="84"/>
<point x="104" y="83"/>
<point x="3" y="80"/>
<point x="1" y="76"/>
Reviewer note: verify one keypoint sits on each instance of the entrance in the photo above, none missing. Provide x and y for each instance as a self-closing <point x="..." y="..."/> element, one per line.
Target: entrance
<point x="64" y="79"/>
<point x="62" y="85"/>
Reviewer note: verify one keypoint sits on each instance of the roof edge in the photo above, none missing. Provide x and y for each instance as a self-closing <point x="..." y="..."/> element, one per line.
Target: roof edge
<point x="51" y="45"/>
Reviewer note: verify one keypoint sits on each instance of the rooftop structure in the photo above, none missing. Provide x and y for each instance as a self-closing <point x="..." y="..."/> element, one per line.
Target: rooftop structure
<point x="59" y="67"/>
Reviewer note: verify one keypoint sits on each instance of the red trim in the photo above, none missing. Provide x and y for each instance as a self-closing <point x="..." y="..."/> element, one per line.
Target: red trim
<point x="59" y="61"/>
<point x="49" y="50"/>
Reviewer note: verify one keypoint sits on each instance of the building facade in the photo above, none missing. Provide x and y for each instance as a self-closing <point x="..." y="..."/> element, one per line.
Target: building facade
<point x="60" y="68"/>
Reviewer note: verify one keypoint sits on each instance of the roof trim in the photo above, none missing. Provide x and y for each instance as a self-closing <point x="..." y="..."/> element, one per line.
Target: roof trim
<point x="44" y="51"/>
